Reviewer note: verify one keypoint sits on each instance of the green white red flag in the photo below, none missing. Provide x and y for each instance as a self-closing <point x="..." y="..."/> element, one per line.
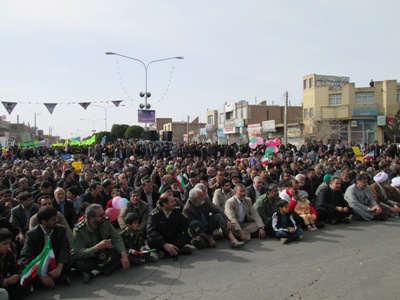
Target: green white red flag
<point x="40" y="266"/>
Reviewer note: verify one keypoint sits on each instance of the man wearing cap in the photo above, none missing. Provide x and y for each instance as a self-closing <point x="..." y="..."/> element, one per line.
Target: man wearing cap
<point x="331" y="205"/>
<point x="359" y="197"/>
<point x="193" y="180"/>
<point x="326" y="182"/>
<point x="393" y="191"/>
<point x="379" y="192"/>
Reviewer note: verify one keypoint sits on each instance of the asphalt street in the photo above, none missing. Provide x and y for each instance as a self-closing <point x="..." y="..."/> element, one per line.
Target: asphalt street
<point x="355" y="261"/>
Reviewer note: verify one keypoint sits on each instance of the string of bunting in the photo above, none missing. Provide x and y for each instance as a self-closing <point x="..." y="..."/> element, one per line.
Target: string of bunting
<point x="9" y="106"/>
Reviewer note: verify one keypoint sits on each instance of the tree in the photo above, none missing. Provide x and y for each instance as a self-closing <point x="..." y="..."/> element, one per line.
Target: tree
<point x="323" y="129"/>
<point x="393" y="129"/>
<point x="109" y="136"/>
<point x="119" y="130"/>
<point x="134" y="132"/>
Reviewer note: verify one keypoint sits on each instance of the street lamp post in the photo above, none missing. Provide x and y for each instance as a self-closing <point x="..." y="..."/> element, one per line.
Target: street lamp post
<point x="146" y="67"/>
<point x="105" y="112"/>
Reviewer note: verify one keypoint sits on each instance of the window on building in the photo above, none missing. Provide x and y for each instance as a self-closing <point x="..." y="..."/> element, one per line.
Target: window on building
<point x="335" y="99"/>
<point x="398" y="96"/>
<point x="312" y="112"/>
<point x="365" y="98"/>
<point x="210" y="120"/>
<point x="239" y="113"/>
<point x="306" y="113"/>
<point x="311" y="83"/>
<point x="221" y="119"/>
<point x="304" y="84"/>
<point x="229" y="115"/>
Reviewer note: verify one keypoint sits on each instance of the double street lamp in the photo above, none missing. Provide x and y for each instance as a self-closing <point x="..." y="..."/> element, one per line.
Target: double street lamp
<point x="146" y="66"/>
<point x="105" y="112"/>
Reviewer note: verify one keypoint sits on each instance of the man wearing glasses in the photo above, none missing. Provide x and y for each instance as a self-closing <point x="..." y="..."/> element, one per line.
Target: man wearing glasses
<point x="360" y="199"/>
<point x="97" y="247"/>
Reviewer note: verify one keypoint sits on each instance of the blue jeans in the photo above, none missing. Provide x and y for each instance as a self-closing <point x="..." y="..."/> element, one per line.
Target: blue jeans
<point x="289" y="236"/>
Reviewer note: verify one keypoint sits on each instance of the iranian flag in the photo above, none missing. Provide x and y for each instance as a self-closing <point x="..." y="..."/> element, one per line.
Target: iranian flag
<point x="369" y="155"/>
<point x="265" y="160"/>
<point x="181" y="181"/>
<point x="40" y="266"/>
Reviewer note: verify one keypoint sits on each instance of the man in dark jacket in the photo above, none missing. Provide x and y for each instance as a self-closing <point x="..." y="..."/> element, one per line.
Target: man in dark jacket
<point x="36" y="240"/>
<point x="331" y="205"/>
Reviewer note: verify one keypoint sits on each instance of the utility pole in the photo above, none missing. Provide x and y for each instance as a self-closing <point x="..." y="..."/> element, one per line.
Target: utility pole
<point x="286" y="118"/>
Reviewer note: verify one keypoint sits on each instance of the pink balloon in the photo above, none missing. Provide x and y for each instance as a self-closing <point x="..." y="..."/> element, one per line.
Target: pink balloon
<point x="112" y="213"/>
<point x="132" y="158"/>
<point x="276" y="150"/>
<point x="260" y="140"/>
<point x="277" y="141"/>
<point x="269" y="143"/>
<point x="118" y="202"/>
<point x="253" y="146"/>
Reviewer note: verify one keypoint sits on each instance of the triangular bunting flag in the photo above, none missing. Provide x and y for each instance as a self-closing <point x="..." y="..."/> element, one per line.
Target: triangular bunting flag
<point x="50" y="107"/>
<point x="85" y="104"/>
<point x="9" y="106"/>
<point x="117" y="102"/>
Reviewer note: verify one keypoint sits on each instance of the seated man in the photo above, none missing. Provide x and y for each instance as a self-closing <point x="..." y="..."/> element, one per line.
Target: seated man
<point x="359" y="197"/>
<point x="244" y="217"/>
<point x="21" y="214"/>
<point x="47" y="201"/>
<point x="209" y="217"/>
<point x="36" y="239"/>
<point x="379" y="190"/>
<point x="97" y="247"/>
<point x="266" y="206"/>
<point x="137" y="206"/>
<point x="167" y="228"/>
<point x="222" y="194"/>
<point x="330" y="203"/>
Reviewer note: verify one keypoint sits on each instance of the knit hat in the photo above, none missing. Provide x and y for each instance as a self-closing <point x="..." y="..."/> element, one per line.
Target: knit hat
<point x="327" y="177"/>
<point x="302" y="194"/>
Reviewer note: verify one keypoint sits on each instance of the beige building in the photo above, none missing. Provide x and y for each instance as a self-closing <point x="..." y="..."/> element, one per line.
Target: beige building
<point x="234" y="122"/>
<point x="181" y="129"/>
<point x="335" y="108"/>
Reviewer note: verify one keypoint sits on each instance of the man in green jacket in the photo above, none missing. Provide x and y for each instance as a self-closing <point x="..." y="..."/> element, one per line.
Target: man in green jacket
<point x="266" y="206"/>
<point x="96" y="246"/>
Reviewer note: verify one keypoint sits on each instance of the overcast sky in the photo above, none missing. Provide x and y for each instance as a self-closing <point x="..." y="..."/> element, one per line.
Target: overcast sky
<point x="54" y="52"/>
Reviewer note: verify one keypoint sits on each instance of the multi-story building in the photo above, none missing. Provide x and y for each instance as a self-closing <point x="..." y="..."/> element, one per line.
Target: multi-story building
<point x="335" y="108"/>
<point x="236" y="120"/>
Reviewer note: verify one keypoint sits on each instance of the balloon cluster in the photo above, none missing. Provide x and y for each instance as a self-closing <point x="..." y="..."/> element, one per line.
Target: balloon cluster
<point x="255" y="140"/>
<point x="272" y="146"/>
<point x="113" y="212"/>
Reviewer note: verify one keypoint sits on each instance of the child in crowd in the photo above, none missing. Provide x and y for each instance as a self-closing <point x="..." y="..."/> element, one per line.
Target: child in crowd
<point x="303" y="210"/>
<point x="284" y="225"/>
<point x="9" y="268"/>
<point x="134" y="241"/>
<point x="114" y="193"/>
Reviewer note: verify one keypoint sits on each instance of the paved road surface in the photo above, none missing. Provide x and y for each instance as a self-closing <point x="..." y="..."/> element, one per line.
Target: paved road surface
<point x="355" y="261"/>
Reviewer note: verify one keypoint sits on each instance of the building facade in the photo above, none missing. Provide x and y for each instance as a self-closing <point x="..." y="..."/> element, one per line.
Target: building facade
<point x="236" y="120"/>
<point x="335" y="108"/>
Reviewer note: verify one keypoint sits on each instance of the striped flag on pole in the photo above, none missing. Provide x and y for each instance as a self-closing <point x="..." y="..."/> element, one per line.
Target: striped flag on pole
<point x="41" y="265"/>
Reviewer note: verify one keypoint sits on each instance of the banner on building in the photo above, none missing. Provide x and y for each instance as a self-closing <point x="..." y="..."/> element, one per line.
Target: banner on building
<point x="254" y="128"/>
<point x="268" y="126"/>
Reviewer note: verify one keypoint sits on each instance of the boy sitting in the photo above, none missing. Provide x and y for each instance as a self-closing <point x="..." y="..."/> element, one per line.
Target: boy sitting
<point x="284" y="225"/>
<point x="134" y="241"/>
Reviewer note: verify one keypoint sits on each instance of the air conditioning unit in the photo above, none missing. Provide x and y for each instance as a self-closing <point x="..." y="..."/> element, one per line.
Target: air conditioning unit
<point x="354" y="123"/>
